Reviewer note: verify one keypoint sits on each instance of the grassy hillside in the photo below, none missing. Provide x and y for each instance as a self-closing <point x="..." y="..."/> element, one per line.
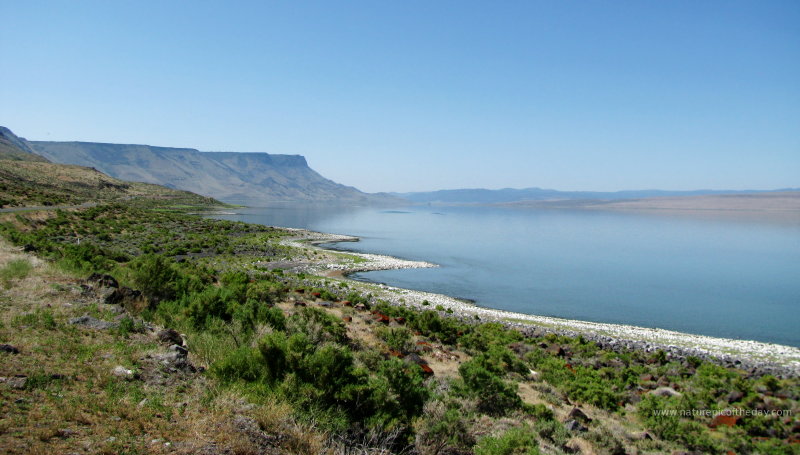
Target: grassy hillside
<point x="26" y="183"/>
<point x="260" y="360"/>
<point x="16" y="149"/>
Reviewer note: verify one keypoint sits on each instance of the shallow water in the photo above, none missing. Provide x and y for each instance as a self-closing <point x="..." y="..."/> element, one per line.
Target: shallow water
<point x="724" y="277"/>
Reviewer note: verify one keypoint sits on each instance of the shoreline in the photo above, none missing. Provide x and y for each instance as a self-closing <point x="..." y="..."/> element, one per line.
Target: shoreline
<point x="756" y="356"/>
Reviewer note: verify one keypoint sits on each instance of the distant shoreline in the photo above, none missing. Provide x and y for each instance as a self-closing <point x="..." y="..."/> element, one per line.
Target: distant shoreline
<point x="787" y="203"/>
<point x="746" y="354"/>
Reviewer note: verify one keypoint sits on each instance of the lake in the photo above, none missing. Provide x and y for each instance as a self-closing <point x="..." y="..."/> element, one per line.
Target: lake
<point x="724" y="277"/>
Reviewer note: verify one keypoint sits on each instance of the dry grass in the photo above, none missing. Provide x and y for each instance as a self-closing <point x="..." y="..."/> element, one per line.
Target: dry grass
<point x="72" y="403"/>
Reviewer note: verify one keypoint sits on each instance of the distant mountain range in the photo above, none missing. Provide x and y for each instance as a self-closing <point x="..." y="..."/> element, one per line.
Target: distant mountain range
<point x="253" y="178"/>
<point x="510" y="195"/>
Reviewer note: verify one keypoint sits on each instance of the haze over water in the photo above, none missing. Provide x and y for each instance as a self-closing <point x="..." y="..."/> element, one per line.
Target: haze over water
<point x="719" y="277"/>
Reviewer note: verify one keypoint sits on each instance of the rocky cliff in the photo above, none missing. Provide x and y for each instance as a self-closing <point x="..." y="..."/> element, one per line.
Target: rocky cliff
<point x="229" y="176"/>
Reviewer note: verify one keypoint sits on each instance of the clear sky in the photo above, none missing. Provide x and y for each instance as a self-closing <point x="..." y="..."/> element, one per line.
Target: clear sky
<point x="423" y="95"/>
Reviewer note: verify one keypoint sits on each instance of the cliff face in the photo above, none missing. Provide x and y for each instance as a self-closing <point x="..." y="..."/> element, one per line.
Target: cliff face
<point x="228" y="176"/>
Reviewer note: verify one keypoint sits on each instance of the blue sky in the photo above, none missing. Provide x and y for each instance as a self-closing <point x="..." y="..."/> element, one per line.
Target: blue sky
<point x="421" y="95"/>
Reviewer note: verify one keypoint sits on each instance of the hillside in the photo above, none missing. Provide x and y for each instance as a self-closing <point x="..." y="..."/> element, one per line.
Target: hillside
<point x="32" y="183"/>
<point x="15" y="148"/>
<point x="242" y="177"/>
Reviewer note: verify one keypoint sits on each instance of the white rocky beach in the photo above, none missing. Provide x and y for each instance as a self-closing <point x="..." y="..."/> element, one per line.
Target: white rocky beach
<point x="746" y="354"/>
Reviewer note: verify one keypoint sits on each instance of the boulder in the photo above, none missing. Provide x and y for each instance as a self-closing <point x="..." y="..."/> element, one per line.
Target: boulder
<point x="724" y="420"/>
<point x="176" y="359"/>
<point x="101" y="280"/>
<point x="665" y="392"/>
<point x="520" y="348"/>
<point x="122" y="372"/>
<point x="170" y="336"/>
<point x="91" y="322"/>
<point x="641" y="436"/>
<point x="575" y="426"/>
<point x="579" y="415"/>
<point x="129" y="298"/>
<point x="15" y="382"/>
<point x="9" y="349"/>
<point x="734" y="396"/>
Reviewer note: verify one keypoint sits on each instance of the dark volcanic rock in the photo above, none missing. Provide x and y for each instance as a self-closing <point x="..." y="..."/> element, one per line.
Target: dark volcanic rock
<point x="577" y="414"/>
<point x="127" y="297"/>
<point x="574" y="426"/>
<point x="170" y="336"/>
<point x="9" y="349"/>
<point x="734" y="396"/>
<point x="107" y="281"/>
<point x="93" y="323"/>
<point x="176" y="358"/>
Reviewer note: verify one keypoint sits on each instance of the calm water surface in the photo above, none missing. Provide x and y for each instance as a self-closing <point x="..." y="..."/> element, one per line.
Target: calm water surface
<point x="720" y="277"/>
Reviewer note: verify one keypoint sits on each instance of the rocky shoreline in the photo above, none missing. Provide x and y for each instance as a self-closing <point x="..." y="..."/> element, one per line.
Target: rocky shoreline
<point x="756" y="357"/>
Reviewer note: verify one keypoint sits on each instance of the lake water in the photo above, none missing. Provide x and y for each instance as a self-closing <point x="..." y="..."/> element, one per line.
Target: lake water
<point x="733" y="278"/>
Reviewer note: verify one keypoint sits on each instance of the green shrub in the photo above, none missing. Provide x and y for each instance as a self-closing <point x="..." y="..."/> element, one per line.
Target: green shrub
<point x="213" y="302"/>
<point x="273" y="348"/>
<point x="253" y="313"/>
<point x="398" y="339"/>
<point x="501" y="360"/>
<point x="583" y="384"/>
<point x="155" y="276"/>
<point x="539" y="411"/>
<point x="443" y="427"/>
<point x="85" y="258"/>
<point x="243" y="364"/>
<point x="236" y="283"/>
<point x="397" y="393"/>
<point x="552" y="430"/>
<point x="126" y="327"/>
<point x="671" y="426"/>
<point x="265" y="292"/>
<point x="318" y="325"/>
<point x="489" y="334"/>
<point x="520" y="440"/>
<point x="429" y="323"/>
<point x="495" y="396"/>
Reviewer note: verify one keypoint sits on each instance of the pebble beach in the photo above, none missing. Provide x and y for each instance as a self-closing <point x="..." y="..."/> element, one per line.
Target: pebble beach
<point x="758" y="357"/>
